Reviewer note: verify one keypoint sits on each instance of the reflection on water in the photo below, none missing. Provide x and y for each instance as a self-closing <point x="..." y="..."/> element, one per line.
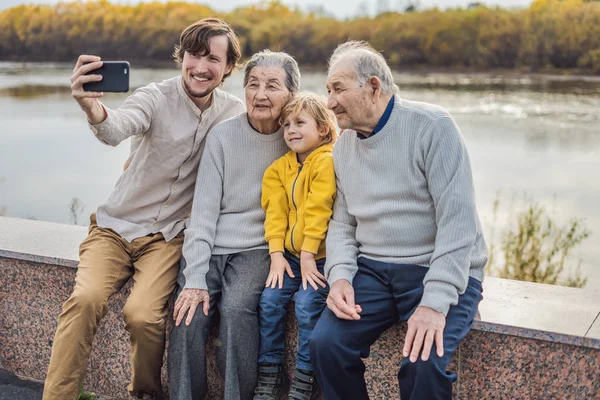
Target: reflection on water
<point x="537" y="135"/>
<point x="26" y="92"/>
<point x="479" y="82"/>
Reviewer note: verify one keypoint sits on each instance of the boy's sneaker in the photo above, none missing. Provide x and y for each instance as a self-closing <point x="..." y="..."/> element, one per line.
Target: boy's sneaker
<point x="304" y="386"/>
<point x="270" y="381"/>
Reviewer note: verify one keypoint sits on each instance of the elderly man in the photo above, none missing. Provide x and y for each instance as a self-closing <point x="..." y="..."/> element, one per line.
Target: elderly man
<point x="405" y="241"/>
<point x="138" y="232"/>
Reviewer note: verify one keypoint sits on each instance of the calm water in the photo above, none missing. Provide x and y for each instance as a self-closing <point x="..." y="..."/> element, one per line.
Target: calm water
<point x="535" y="137"/>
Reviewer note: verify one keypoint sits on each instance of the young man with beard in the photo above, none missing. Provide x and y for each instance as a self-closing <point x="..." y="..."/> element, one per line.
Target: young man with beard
<point x="138" y="232"/>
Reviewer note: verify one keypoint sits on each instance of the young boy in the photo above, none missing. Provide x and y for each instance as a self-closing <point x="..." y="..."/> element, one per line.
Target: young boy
<point x="298" y="194"/>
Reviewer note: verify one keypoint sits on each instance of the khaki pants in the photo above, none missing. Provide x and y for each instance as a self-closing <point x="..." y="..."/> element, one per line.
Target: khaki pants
<point x="107" y="261"/>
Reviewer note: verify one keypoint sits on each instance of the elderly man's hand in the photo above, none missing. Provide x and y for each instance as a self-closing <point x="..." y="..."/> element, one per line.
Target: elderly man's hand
<point x="188" y="301"/>
<point x="341" y="300"/>
<point x="424" y="327"/>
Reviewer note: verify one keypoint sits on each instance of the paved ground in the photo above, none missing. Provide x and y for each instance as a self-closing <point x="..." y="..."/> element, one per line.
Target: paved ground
<point x="13" y="388"/>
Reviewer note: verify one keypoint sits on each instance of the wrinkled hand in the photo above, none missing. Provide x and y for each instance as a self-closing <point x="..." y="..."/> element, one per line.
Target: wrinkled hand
<point x="88" y="101"/>
<point x="188" y="301"/>
<point x="424" y="327"/>
<point x="341" y="300"/>
<point x="279" y="266"/>
<point x="310" y="272"/>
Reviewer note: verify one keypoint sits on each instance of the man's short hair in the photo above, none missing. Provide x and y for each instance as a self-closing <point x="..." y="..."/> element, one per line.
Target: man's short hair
<point x="366" y="62"/>
<point x="275" y="59"/>
<point x="195" y="38"/>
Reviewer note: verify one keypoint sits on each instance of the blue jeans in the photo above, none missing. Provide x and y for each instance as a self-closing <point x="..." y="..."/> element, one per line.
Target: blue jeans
<point x="272" y="314"/>
<point x="387" y="293"/>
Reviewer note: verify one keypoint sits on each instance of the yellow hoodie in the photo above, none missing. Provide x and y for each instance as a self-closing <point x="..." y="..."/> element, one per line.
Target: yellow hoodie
<point x="298" y="201"/>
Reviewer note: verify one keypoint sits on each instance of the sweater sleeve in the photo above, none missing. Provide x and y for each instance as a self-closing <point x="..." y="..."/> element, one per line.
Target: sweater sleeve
<point x="274" y="202"/>
<point x="319" y="204"/>
<point x="200" y="234"/>
<point x="448" y="173"/>
<point x="132" y="118"/>
<point x="342" y="247"/>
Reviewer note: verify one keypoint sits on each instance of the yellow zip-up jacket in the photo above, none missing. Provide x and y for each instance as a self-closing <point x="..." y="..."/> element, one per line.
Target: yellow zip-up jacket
<point x="298" y="201"/>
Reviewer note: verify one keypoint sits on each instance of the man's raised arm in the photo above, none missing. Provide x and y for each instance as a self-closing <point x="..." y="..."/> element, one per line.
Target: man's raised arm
<point x="111" y="127"/>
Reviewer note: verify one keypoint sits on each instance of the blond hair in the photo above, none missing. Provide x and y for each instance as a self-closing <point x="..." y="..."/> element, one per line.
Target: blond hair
<point x="316" y="106"/>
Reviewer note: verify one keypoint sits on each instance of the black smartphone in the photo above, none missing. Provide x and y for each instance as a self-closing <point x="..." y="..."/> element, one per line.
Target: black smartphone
<point x="115" y="77"/>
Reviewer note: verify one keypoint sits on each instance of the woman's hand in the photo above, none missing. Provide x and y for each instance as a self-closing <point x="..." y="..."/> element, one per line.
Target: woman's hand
<point x="310" y="273"/>
<point x="188" y="301"/>
<point x="279" y="265"/>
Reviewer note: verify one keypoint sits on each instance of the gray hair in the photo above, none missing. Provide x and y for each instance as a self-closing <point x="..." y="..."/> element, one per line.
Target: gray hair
<point x="366" y="62"/>
<point x="271" y="59"/>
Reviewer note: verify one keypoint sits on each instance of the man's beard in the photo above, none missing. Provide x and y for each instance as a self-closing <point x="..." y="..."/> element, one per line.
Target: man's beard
<point x="195" y="94"/>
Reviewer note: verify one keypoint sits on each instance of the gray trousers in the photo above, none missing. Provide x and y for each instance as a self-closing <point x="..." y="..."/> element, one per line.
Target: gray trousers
<point x="235" y="283"/>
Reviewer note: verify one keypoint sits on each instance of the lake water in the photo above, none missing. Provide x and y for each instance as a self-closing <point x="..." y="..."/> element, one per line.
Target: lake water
<point x="528" y="136"/>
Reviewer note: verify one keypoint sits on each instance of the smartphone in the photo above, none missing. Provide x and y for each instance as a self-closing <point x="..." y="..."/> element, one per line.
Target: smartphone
<point x="115" y="77"/>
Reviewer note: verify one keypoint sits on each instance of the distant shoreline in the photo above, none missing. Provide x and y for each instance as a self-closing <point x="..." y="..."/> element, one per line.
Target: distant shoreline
<point x="549" y="37"/>
<point x="554" y="73"/>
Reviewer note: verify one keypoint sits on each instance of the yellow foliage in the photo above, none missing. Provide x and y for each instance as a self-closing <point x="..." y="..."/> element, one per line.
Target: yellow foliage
<point x="550" y="33"/>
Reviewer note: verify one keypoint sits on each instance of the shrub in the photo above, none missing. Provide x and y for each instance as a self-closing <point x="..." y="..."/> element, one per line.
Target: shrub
<point x="536" y="248"/>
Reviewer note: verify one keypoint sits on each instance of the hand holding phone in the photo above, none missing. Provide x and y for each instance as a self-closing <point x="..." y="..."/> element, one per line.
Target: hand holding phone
<point x="83" y="74"/>
<point x="115" y="77"/>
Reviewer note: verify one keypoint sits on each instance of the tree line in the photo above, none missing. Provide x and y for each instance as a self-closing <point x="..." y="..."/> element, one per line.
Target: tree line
<point x="562" y="34"/>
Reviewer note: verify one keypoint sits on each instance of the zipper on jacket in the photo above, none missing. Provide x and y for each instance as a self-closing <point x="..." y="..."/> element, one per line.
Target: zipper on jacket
<point x="296" y="207"/>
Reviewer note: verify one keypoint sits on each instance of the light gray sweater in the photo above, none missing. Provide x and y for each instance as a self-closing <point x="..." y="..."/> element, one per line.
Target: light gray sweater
<point x="227" y="217"/>
<point x="405" y="195"/>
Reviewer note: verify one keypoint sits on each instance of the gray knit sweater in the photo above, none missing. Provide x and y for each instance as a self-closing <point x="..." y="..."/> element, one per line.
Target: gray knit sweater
<point x="405" y="195"/>
<point x="227" y="216"/>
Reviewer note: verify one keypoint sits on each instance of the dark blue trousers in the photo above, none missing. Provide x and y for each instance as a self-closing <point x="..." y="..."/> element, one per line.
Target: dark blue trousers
<point x="387" y="293"/>
<point x="272" y="314"/>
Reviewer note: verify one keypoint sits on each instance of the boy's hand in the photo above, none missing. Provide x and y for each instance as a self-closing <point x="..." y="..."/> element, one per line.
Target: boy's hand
<point x="279" y="266"/>
<point x="310" y="273"/>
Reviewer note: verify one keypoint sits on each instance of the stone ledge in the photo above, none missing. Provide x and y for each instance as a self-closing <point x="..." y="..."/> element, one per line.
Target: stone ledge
<point x="42" y="242"/>
<point x="538" y="311"/>
<point x="494" y="360"/>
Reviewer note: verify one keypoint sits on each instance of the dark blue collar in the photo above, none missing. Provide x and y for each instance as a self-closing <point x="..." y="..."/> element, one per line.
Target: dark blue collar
<point x="382" y="121"/>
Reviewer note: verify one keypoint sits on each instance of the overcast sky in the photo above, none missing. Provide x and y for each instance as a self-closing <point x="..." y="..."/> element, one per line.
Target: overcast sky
<point x="341" y="8"/>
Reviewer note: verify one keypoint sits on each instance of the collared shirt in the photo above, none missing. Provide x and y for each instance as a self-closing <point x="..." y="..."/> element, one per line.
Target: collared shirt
<point x="382" y="121"/>
<point x="154" y="194"/>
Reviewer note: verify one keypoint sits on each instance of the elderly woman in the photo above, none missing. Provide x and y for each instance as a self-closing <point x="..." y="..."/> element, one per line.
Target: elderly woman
<point x="225" y="257"/>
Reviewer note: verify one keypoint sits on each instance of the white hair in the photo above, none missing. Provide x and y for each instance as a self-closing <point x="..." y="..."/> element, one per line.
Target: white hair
<point x="366" y="62"/>
<point x="268" y="58"/>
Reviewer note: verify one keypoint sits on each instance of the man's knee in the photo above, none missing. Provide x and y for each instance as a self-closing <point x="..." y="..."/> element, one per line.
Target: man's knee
<point x="324" y="339"/>
<point x="88" y="302"/>
<point x="433" y="365"/>
<point x="140" y="317"/>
